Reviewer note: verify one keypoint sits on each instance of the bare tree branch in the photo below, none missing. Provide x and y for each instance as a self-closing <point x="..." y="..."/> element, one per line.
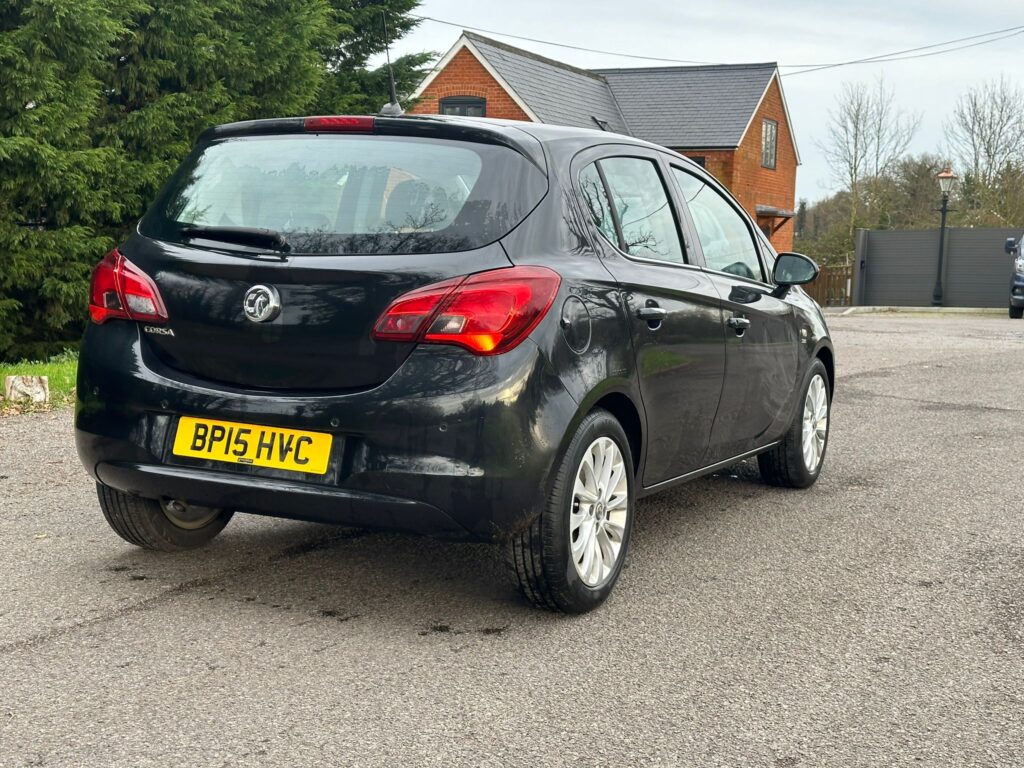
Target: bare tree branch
<point x="867" y="135"/>
<point x="986" y="131"/>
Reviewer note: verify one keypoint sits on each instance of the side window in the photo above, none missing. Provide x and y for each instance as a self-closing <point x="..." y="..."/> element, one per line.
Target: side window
<point x="642" y="206"/>
<point x="767" y="254"/>
<point x="723" y="234"/>
<point x="596" y="198"/>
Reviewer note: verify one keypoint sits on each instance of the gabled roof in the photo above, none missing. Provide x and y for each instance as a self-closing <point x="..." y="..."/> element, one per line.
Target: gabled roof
<point x="557" y="92"/>
<point x="547" y="90"/>
<point x="691" y="107"/>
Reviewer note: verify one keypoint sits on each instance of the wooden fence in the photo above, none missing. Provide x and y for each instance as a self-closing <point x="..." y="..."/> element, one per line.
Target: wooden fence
<point x="832" y="288"/>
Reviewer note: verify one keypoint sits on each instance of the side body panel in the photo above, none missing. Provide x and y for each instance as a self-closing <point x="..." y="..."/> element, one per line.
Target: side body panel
<point x="762" y="368"/>
<point x="679" y="359"/>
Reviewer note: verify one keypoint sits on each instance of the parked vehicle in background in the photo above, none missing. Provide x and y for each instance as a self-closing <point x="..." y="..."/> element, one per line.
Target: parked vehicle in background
<point x="1015" y="248"/>
<point x="469" y="328"/>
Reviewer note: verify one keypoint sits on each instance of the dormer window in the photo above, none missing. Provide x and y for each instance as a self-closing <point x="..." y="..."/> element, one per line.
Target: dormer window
<point x="466" y="106"/>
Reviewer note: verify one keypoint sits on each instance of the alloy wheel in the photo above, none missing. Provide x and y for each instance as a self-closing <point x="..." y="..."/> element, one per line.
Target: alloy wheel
<point x="600" y="509"/>
<point x="815" y="429"/>
<point x="189" y="517"/>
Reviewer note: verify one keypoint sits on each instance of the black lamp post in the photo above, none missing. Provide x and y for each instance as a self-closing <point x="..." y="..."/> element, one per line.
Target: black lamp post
<point x="946" y="181"/>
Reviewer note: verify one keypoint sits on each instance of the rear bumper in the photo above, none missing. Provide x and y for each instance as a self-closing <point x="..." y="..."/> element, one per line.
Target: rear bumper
<point x="279" y="498"/>
<point x="452" y="445"/>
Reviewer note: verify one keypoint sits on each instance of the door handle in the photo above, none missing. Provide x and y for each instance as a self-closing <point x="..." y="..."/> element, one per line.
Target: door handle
<point x="740" y="324"/>
<point x="650" y="314"/>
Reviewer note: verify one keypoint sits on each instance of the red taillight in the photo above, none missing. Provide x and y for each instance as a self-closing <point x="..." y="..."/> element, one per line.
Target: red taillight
<point x="120" y="290"/>
<point x="104" y="299"/>
<point x="339" y="124"/>
<point x="487" y="313"/>
<point x="406" y="318"/>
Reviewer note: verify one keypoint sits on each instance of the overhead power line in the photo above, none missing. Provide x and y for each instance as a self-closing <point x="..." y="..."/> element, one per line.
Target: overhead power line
<point x="914" y="53"/>
<point x="557" y="45"/>
<point x="919" y="52"/>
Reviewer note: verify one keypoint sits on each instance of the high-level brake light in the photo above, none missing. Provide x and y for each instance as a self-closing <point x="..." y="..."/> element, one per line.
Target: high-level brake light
<point x="339" y="124"/>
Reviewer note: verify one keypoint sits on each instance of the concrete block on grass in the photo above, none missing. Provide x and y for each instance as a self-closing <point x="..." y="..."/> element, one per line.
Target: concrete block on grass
<point x="27" y="389"/>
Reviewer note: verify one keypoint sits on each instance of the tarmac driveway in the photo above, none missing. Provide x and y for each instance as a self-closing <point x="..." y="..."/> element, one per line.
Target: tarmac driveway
<point x="876" y="619"/>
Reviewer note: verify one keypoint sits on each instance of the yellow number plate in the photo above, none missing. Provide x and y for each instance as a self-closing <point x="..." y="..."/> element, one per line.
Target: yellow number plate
<point x="252" y="444"/>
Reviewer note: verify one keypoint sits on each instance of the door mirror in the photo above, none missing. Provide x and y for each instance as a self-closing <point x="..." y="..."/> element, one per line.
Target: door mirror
<point x="794" y="269"/>
<point x="1011" y="246"/>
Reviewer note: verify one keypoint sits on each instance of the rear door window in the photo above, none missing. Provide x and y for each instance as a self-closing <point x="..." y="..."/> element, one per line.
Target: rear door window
<point x="630" y="205"/>
<point x="642" y="209"/>
<point x="352" y="194"/>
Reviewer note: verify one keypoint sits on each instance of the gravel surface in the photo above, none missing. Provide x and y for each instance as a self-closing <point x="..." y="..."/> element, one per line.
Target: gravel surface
<point x="876" y="619"/>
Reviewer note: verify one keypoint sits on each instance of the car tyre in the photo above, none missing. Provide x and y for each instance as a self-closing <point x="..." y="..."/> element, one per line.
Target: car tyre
<point x="153" y="524"/>
<point x="1016" y="313"/>
<point x="796" y="462"/>
<point x="571" y="556"/>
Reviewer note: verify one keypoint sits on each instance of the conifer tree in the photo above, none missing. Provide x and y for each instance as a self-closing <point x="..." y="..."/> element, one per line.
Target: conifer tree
<point x="350" y="87"/>
<point x="56" y="191"/>
<point x="183" y="66"/>
<point x="101" y="99"/>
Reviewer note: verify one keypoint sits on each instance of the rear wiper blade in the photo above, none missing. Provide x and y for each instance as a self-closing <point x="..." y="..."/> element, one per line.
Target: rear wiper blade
<point x="251" y="236"/>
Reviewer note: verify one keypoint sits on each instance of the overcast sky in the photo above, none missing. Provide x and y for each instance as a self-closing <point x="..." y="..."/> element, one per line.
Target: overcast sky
<point x="795" y="32"/>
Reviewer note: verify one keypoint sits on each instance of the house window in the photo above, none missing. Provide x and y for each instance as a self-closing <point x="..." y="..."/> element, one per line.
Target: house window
<point x="769" y="142"/>
<point x="466" y="106"/>
<point x="699" y="160"/>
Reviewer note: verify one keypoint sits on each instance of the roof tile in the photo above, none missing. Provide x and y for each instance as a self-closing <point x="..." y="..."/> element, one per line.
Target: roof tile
<point x="556" y="92"/>
<point x="681" y="107"/>
<point x="691" y="107"/>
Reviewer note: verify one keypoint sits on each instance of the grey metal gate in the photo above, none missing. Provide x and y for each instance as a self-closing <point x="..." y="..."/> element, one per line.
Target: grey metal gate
<point x="897" y="267"/>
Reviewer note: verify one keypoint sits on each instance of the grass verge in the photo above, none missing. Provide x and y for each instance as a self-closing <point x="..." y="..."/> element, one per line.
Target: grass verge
<point x="60" y="370"/>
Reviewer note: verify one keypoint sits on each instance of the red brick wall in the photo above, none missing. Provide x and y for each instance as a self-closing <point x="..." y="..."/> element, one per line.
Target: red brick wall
<point x="717" y="162"/>
<point x="466" y="76"/>
<point x="754" y="185"/>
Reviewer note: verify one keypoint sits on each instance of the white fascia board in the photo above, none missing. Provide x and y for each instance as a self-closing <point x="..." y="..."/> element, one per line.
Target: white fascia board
<point x="465" y="42"/>
<point x="785" y="108"/>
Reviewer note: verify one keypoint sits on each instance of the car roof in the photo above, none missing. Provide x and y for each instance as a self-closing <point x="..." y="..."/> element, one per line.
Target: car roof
<point x="523" y="136"/>
<point x="542" y="132"/>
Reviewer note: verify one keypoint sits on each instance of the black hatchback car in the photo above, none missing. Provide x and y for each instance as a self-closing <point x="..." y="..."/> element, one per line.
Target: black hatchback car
<point x="467" y="328"/>
<point x="1015" y="248"/>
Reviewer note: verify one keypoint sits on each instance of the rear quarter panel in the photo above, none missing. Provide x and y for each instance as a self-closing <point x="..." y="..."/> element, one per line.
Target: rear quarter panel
<point x="585" y="337"/>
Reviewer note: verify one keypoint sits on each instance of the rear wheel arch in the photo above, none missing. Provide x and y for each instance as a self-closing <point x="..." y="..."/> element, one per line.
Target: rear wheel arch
<point x="612" y="398"/>
<point x="621" y="406"/>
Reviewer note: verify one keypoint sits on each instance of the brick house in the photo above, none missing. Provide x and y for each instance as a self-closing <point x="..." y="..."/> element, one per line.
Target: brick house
<point x="732" y="119"/>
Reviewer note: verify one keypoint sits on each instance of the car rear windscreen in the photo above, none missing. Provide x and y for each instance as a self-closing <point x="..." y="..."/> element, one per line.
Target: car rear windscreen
<point x="331" y="194"/>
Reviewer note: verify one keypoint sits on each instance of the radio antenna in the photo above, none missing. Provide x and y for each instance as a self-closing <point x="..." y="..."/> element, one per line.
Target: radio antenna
<point x="392" y="108"/>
